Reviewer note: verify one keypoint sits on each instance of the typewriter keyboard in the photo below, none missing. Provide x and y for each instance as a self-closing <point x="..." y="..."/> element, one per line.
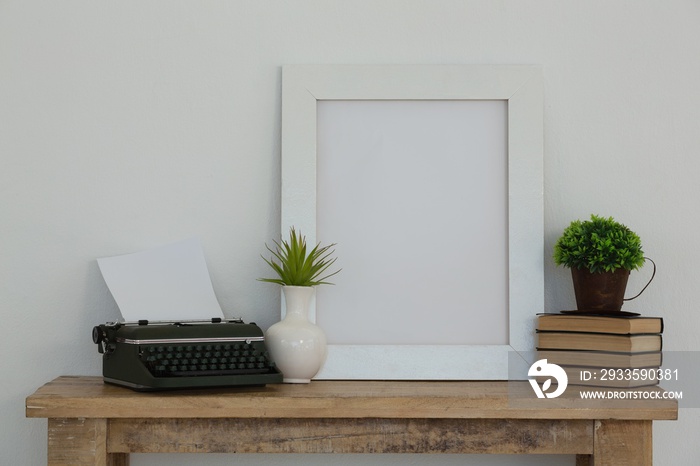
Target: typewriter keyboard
<point x="206" y="359"/>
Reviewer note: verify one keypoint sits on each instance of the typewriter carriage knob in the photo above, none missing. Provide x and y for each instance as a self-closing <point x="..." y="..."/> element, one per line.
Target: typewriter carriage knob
<point x="97" y="335"/>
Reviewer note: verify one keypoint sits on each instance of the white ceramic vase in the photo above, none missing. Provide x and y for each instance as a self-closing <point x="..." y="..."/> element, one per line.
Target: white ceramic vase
<point x="297" y="345"/>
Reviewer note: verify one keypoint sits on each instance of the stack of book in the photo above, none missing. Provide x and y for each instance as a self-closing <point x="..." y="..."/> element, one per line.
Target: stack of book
<point x="603" y="351"/>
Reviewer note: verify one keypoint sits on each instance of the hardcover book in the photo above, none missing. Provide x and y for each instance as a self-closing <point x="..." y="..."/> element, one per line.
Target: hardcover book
<point x="599" y="324"/>
<point x="598" y="342"/>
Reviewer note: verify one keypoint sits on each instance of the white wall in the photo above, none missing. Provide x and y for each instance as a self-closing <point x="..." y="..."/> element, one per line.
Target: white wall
<point x="126" y="125"/>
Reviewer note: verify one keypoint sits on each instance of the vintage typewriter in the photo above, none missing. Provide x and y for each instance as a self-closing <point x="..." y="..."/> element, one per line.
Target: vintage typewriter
<point x="165" y="355"/>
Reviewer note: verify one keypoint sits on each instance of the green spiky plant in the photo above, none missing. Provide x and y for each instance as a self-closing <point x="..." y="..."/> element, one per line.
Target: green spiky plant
<point x="297" y="267"/>
<point x="599" y="245"/>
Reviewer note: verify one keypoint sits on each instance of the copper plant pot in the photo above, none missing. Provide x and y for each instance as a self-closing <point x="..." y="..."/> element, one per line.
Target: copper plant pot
<point x="602" y="291"/>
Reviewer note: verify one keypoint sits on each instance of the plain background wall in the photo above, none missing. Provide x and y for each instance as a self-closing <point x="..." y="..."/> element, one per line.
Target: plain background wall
<point x="126" y="125"/>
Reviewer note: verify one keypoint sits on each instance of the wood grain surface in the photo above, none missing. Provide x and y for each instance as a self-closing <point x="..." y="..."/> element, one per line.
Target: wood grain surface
<point x="89" y="397"/>
<point x="91" y="423"/>
<point x="368" y="435"/>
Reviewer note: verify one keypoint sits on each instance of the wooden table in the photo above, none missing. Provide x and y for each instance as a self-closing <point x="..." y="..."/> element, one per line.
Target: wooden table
<point x="90" y="423"/>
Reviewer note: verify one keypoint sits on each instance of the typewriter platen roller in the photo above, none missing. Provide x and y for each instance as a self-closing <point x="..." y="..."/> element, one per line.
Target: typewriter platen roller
<point x="165" y="355"/>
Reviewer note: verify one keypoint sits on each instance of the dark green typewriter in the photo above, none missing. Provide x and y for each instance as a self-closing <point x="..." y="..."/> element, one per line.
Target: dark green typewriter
<point x="164" y="355"/>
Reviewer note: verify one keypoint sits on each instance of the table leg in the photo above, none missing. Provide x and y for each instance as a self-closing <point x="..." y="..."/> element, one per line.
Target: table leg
<point x="81" y="442"/>
<point x="622" y="443"/>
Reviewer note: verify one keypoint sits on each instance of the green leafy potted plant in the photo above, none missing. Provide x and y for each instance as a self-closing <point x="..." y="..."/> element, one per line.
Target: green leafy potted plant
<point x="297" y="345"/>
<point x="601" y="253"/>
<point x="295" y="267"/>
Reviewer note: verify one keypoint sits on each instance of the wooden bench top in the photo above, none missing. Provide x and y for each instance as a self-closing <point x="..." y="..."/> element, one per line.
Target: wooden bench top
<point x="89" y="397"/>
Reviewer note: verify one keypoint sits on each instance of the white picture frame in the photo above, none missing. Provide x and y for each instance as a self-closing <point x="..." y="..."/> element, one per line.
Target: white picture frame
<point x="520" y="86"/>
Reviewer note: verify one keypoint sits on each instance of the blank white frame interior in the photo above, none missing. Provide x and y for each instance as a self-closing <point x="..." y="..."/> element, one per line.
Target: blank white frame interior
<point x="394" y="180"/>
<point x="455" y="93"/>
